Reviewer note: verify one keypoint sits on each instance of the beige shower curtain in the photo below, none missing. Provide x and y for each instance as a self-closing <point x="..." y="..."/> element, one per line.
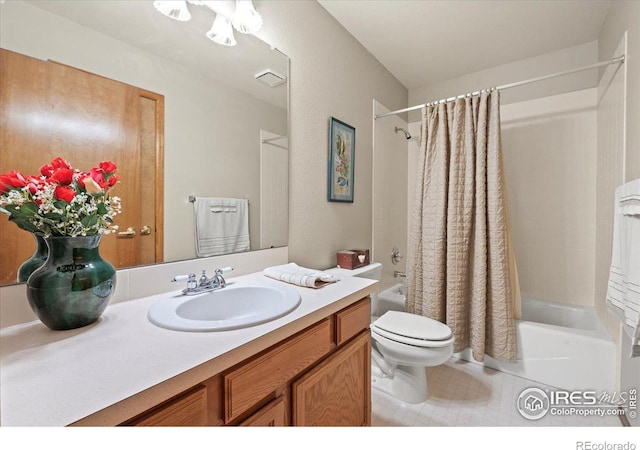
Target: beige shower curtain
<point x="460" y="264"/>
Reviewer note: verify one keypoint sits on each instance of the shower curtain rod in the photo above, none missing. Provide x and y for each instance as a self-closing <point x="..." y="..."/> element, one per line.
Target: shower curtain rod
<point x="616" y="60"/>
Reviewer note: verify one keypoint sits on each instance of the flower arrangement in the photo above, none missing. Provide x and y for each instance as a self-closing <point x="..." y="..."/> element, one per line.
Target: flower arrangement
<point x="62" y="201"/>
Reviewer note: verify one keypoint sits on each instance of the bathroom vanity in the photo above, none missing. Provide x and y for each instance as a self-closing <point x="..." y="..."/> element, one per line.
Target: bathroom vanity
<point x="310" y="367"/>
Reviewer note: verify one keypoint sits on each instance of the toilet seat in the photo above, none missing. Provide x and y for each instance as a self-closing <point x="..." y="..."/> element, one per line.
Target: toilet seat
<point x="412" y="329"/>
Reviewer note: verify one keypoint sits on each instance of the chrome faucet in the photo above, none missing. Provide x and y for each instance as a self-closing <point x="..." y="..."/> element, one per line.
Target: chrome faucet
<point x="397" y="274"/>
<point x="205" y="284"/>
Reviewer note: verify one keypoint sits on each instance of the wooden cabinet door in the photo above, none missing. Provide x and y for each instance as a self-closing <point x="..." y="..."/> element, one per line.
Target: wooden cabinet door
<point x="188" y="410"/>
<point x="338" y="391"/>
<point x="49" y="109"/>
<point x="272" y="415"/>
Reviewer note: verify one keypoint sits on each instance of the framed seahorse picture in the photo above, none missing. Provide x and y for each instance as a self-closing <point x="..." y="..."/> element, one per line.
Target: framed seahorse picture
<point x="342" y="152"/>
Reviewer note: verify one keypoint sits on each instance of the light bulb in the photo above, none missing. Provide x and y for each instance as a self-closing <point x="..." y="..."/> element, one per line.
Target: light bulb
<point x="175" y="9"/>
<point x="221" y="32"/>
<point x="246" y="19"/>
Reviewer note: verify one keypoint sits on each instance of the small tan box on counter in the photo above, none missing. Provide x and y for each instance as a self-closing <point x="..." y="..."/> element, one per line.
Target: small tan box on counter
<point x="352" y="259"/>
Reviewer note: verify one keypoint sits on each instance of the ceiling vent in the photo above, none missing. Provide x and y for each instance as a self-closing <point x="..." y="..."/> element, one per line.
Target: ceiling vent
<point x="271" y="78"/>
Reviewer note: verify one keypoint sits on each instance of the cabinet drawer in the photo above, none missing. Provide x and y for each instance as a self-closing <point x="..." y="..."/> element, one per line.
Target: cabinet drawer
<point x="352" y="320"/>
<point x="272" y="415"/>
<point x="188" y="410"/>
<point x="252" y="382"/>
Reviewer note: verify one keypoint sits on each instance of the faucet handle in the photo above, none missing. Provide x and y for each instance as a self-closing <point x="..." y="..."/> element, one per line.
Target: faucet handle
<point x="177" y="278"/>
<point x="224" y="270"/>
<point x="203" y="278"/>
<point x="190" y="279"/>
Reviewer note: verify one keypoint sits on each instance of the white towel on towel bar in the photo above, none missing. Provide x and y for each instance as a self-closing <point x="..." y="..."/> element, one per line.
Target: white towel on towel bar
<point x="623" y="292"/>
<point x="222" y="226"/>
<point x="630" y="198"/>
<point x="300" y="276"/>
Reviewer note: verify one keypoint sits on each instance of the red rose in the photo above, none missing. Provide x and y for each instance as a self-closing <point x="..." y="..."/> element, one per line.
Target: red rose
<point x="113" y="179"/>
<point x="64" y="193"/>
<point x="34" y="184"/>
<point x="63" y="176"/>
<point x="12" y="180"/>
<point x="58" y="163"/>
<point x="98" y="176"/>
<point x="46" y="170"/>
<point x="80" y="178"/>
<point x="107" y="166"/>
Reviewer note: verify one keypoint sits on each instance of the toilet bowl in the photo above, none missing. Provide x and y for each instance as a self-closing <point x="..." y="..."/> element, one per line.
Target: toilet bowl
<point x="403" y="344"/>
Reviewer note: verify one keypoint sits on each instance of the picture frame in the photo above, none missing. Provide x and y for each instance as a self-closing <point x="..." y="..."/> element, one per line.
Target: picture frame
<point x="342" y="152"/>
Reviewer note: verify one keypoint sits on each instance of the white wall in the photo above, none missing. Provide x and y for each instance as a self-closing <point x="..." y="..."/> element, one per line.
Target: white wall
<point x="624" y="16"/>
<point x="332" y="74"/>
<point x="389" y="194"/>
<point x="548" y="63"/>
<point x="208" y="148"/>
<point x="549" y="148"/>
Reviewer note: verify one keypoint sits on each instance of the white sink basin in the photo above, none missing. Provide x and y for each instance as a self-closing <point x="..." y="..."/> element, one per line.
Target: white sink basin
<point x="235" y="306"/>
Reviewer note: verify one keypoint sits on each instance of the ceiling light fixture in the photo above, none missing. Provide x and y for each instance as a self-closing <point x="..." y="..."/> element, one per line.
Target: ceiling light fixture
<point x="175" y="9"/>
<point x="221" y="32"/>
<point x="246" y="19"/>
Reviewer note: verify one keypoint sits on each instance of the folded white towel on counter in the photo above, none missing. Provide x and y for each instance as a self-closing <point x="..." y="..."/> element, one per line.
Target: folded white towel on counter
<point x="623" y="291"/>
<point x="300" y="276"/>
<point x="630" y="198"/>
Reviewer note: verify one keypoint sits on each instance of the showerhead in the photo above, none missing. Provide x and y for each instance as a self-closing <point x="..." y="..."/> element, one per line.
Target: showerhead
<point x="406" y="133"/>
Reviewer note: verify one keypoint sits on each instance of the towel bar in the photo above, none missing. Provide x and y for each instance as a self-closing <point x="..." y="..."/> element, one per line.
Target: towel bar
<point x="192" y="199"/>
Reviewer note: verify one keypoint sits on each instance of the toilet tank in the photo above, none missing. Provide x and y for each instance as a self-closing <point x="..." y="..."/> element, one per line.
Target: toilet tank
<point x="371" y="271"/>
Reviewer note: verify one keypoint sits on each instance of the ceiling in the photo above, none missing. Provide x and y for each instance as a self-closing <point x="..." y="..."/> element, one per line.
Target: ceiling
<point x="426" y="41"/>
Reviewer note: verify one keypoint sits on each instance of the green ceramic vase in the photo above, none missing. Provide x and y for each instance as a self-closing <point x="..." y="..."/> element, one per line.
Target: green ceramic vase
<point x="73" y="287"/>
<point x="37" y="259"/>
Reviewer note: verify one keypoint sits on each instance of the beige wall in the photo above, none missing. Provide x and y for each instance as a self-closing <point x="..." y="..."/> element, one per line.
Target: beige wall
<point x="389" y="194"/>
<point x="565" y="59"/>
<point x="623" y="16"/>
<point x="212" y="132"/>
<point x="549" y="148"/>
<point x="331" y="75"/>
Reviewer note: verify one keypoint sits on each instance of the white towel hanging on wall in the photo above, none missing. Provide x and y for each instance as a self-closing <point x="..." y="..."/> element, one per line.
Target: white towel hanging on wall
<point x="623" y="291"/>
<point x="222" y="226"/>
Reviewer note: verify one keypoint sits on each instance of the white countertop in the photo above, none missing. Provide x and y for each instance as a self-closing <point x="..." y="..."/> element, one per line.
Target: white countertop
<point x="55" y="378"/>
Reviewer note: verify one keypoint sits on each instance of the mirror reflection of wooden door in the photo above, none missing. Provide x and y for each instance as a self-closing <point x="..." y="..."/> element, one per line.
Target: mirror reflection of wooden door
<point x="48" y="110"/>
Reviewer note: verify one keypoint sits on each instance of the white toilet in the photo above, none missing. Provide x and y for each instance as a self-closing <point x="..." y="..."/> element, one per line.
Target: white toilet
<point x="403" y="343"/>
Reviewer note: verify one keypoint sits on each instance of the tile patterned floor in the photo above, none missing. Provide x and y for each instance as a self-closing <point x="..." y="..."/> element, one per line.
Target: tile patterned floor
<point x="467" y="394"/>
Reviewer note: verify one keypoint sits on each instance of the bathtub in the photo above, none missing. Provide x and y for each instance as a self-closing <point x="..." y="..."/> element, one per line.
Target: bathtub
<point x="559" y="345"/>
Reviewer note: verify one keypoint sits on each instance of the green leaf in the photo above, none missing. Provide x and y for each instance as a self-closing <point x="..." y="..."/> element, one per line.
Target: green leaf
<point x="60" y="204"/>
<point x="56" y="217"/>
<point x="25" y="225"/>
<point x="11" y="209"/>
<point x="102" y="209"/>
<point x="89" y="221"/>
<point x="29" y="209"/>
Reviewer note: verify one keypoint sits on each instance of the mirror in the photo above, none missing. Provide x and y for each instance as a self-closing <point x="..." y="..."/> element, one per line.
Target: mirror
<point x="224" y="131"/>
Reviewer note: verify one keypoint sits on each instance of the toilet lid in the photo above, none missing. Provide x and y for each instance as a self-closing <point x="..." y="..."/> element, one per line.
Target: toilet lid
<point x="412" y="326"/>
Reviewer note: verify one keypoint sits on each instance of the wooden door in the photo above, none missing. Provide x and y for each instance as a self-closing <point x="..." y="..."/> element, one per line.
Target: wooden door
<point x="338" y="391"/>
<point x="48" y="110"/>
